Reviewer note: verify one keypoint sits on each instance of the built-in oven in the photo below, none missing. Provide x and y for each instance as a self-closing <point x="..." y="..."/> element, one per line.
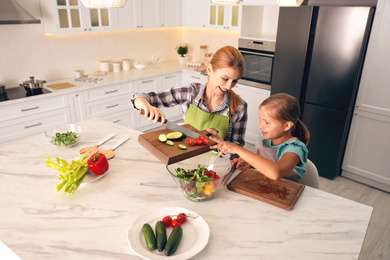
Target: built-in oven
<point x="259" y="60"/>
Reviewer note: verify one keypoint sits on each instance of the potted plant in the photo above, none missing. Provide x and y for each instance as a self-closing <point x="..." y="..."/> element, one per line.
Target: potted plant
<point x="182" y="50"/>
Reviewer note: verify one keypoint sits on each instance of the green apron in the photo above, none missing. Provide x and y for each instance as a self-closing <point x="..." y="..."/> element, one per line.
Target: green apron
<point x="202" y="120"/>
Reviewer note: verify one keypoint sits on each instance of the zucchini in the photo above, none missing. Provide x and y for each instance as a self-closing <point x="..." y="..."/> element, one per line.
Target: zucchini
<point x="150" y="239"/>
<point x="173" y="241"/>
<point x="169" y="142"/>
<point x="161" y="235"/>
<point x="163" y="138"/>
<point x="176" y="136"/>
<point x="182" y="146"/>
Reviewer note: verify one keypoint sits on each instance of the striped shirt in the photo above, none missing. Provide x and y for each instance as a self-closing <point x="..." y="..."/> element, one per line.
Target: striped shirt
<point x="186" y="95"/>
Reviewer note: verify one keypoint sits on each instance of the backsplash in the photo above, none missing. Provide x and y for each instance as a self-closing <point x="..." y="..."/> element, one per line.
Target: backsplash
<point x="26" y="50"/>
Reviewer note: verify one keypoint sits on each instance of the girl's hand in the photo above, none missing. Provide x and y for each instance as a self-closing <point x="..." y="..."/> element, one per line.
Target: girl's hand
<point x="225" y="147"/>
<point x="240" y="164"/>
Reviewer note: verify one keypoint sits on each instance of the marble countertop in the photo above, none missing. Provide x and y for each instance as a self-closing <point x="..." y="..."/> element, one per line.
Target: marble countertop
<point x="151" y="70"/>
<point x="37" y="222"/>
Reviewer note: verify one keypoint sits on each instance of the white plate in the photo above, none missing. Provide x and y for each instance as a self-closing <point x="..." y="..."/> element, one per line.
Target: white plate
<point x="92" y="177"/>
<point x="196" y="234"/>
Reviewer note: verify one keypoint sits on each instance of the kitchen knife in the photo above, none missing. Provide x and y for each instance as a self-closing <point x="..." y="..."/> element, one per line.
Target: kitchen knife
<point x="176" y="127"/>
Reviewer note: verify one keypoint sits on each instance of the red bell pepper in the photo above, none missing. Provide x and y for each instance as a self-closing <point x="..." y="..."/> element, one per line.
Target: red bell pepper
<point x="98" y="163"/>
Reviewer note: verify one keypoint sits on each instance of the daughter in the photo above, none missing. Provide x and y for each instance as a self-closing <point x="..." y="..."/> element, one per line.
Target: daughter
<point x="281" y="146"/>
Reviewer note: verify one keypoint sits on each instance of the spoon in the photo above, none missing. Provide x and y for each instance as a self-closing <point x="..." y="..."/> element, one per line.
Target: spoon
<point x="95" y="147"/>
<point x="110" y="152"/>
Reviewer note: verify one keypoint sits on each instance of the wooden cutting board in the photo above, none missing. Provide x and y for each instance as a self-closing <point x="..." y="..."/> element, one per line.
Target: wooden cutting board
<point x="282" y="193"/>
<point x="172" y="154"/>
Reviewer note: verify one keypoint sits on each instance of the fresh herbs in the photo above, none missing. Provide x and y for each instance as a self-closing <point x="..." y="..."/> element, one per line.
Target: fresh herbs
<point x="65" y="139"/>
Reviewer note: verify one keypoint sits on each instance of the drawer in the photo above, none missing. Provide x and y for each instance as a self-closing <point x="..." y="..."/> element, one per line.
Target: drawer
<point x="108" y="106"/>
<point x="124" y="118"/>
<point x="25" y="126"/>
<point x="108" y="91"/>
<point x="33" y="107"/>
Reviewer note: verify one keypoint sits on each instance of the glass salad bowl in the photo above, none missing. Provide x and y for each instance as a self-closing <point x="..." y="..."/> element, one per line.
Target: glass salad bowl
<point x="208" y="175"/>
<point x="65" y="136"/>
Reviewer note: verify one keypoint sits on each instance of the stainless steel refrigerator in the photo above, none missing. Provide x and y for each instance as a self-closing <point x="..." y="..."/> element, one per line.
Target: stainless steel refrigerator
<point x="319" y="56"/>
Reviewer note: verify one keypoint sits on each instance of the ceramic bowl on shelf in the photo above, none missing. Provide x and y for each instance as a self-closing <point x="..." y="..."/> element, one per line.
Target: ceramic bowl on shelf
<point x="139" y="65"/>
<point x="201" y="190"/>
<point x="65" y="136"/>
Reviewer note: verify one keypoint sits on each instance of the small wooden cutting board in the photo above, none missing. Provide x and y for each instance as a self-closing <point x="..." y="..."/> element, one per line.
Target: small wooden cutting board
<point x="172" y="154"/>
<point x="282" y="193"/>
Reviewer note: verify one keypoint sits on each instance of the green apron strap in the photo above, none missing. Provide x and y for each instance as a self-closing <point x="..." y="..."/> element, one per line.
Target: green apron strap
<point x="202" y="120"/>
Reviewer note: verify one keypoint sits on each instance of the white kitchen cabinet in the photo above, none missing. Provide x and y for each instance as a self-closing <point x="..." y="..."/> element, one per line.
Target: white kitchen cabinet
<point x="253" y="97"/>
<point x="171" y="13"/>
<point x="195" y="13"/>
<point x="167" y="82"/>
<point x="145" y="85"/>
<point x="70" y="16"/>
<point x="259" y="22"/>
<point x="366" y="157"/>
<point x="76" y="106"/>
<point x="111" y="103"/>
<point x="224" y="17"/>
<point x="126" y="16"/>
<point x="193" y="76"/>
<point x="147" y="14"/>
<point x="32" y="117"/>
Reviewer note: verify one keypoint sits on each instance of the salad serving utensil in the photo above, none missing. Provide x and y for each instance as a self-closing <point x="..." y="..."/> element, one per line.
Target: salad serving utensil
<point x="110" y="152"/>
<point x="95" y="147"/>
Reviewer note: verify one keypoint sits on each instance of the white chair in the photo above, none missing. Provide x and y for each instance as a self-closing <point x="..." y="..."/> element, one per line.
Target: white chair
<point x="311" y="178"/>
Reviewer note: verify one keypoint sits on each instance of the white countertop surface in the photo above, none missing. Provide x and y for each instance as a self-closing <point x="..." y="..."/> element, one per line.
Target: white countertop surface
<point x="151" y="70"/>
<point x="37" y="222"/>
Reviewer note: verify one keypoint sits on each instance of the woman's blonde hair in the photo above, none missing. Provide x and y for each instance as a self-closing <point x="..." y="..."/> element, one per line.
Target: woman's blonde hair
<point x="285" y="107"/>
<point x="229" y="57"/>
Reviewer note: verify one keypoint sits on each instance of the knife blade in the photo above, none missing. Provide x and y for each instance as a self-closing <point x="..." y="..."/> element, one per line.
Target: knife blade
<point x="176" y="127"/>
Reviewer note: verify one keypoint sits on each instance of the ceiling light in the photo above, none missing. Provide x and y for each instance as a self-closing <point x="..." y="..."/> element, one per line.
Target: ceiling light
<point x="104" y="3"/>
<point x="289" y="2"/>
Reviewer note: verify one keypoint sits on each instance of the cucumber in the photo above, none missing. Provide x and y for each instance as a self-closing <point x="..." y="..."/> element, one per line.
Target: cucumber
<point x="176" y="136"/>
<point x="173" y="241"/>
<point x="169" y="142"/>
<point x="163" y="138"/>
<point x="149" y="236"/>
<point x="182" y="146"/>
<point x="161" y="235"/>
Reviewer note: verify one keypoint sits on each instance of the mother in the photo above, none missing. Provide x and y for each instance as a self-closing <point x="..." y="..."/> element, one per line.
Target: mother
<point x="213" y="105"/>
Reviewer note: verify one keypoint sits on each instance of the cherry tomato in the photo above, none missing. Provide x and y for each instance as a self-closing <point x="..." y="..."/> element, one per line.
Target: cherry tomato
<point x="191" y="142"/>
<point x="199" y="141"/>
<point x="205" y="141"/>
<point x="176" y="223"/>
<point x="201" y="137"/>
<point x="182" y="217"/>
<point x="167" y="221"/>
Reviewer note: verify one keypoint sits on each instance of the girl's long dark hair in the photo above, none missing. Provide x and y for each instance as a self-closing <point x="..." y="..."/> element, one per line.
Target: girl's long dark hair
<point x="285" y="107"/>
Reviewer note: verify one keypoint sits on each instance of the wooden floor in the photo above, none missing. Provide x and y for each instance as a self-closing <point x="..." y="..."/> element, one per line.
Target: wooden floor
<point x="377" y="241"/>
<point x="376" y="244"/>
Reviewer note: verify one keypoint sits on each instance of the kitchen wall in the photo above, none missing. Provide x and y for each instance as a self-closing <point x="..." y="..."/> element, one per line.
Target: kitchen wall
<point x="25" y="50"/>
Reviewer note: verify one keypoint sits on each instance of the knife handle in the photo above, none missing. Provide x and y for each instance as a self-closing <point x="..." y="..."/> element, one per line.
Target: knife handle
<point x="142" y="112"/>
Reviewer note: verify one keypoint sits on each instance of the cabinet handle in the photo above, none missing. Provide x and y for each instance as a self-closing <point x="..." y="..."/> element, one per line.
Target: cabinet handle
<point x="27" y="109"/>
<point x="195" y="77"/>
<point x="117" y="121"/>
<point x="29" y="126"/>
<point x="112" y="91"/>
<point x="168" y="77"/>
<point x="147" y="81"/>
<point x="112" y="106"/>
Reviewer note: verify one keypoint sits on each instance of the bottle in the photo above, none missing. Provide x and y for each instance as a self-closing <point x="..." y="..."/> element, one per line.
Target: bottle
<point x="202" y="52"/>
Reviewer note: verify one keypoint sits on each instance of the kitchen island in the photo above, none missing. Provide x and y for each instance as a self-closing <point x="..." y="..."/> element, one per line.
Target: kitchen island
<point x="37" y="222"/>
